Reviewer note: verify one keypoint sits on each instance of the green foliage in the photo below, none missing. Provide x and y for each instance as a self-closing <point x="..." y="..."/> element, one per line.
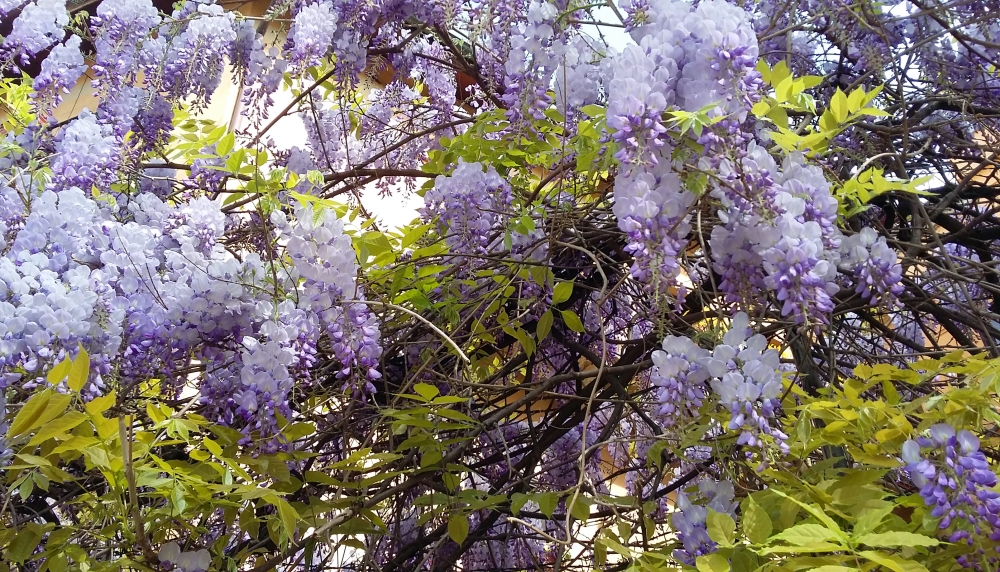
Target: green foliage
<point x="814" y="131"/>
<point x="147" y="491"/>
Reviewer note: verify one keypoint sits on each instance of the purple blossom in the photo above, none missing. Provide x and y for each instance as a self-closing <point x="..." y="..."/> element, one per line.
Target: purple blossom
<point x="690" y="519"/>
<point x="469" y="206"/>
<point x="312" y="34"/>
<point x="39" y="25"/>
<point x="875" y="267"/>
<point x="680" y="374"/>
<point x="60" y="71"/>
<point x="191" y="64"/>
<point x="86" y="154"/>
<point x="955" y="479"/>
<point x="120" y="29"/>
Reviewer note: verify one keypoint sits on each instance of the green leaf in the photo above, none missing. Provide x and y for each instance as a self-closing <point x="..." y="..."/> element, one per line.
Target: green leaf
<point x="562" y="292"/>
<point x="59" y="372"/>
<point x="79" y="372"/>
<point x="546" y="502"/>
<point x="839" y="106"/>
<point x="581" y="508"/>
<point x="458" y="527"/>
<point x="286" y="513"/>
<point x="712" y="563"/>
<point x="426" y="390"/>
<point x="755" y="522"/>
<point x="58" y="427"/>
<point x="897" y="538"/>
<point x="225" y="145"/>
<point x="813" y="547"/>
<point x="213" y="447"/>
<point x="721" y="528"/>
<point x="544" y="325"/>
<point x="526" y="341"/>
<point x="894" y="563"/>
<point x="39" y="410"/>
<point x="806" y="533"/>
<point x="517" y="502"/>
<point x="870" y="519"/>
<point x="57" y="563"/>
<point x="24" y="544"/>
<point x="572" y="321"/>
<point x="296" y="431"/>
<point x="815" y="511"/>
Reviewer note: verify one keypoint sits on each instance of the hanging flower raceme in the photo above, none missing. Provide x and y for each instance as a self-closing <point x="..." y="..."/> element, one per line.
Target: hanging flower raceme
<point x="470" y="206"/>
<point x="679" y="374"/>
<point x="531" y="62"/>
<point x="311" y="35"/>
<point x="324" y="260"/>
<point x="652" y="207"/>
<point x="876" y="271"/>
<point x="957" y="481"/>
<point x="747" y="380"/>
<point x="40" y="25"/>
<point x="87" y="154"/>
<point x="121" y="29"/>
<point x="60" y="70"/>
<point x="690" y="521"/>
<point x="190" y="65"/>
<point x="743" y="375"/>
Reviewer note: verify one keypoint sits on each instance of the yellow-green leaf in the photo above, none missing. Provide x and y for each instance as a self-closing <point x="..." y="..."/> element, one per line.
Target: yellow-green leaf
<point x="59" y="372"/>
<point x="57" y="427"/>
<point x="546" y="502"/>
<point x="562" y="292"/>
<point x="894" y="563"/>
<point x="897" y="538"/>
<point x="79" y="372"/>
<point x="721" y="528"/>
<point x="29" y="413"/>
<point x="24" y="543"/>
<point x="839" y="106"/>
<point x="581" y="507"/>
<point x="756" y="523"/>
<point x="806" y="533"/>
<point x="815" y="511"/>
<point x="426" y="390"/>
<point x="712" y="563"/>
<point x="101" y="404"/>
<point x="856" y="100"/>
<point x="286" y="513"/>
<point x="572" y="321"/>
<point x="49" y="406"/>
<point x="458" y="528"/>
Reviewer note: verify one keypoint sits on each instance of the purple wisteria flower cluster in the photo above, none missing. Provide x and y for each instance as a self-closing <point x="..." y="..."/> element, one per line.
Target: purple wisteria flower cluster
<point x="690" y="519"/>
<point x="742" y="372"/>
<point x="146" y="287"/>
<point x="686" y="59"/>
<point x="470" y="206"/>
<point x="779" y="225"/>
<point x="779" y="234"/>
<point x="957" y="481"/>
